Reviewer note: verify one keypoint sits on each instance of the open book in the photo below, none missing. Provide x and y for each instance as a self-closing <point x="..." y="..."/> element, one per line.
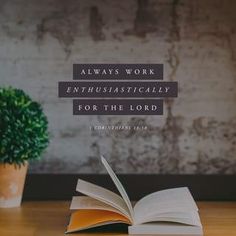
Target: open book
<point x="171" y="211"/>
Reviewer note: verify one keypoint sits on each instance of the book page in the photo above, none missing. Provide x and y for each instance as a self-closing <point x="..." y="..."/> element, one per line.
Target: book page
<point x="84" y="202"/>
<point x="103" y="195"/>
<point x="190" y="218"/>
<point x="119" y="186"/>
<point x="165" y="201"/>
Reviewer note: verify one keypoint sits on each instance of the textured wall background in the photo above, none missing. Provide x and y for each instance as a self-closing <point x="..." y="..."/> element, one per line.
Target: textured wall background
<point x="196" y="41"/>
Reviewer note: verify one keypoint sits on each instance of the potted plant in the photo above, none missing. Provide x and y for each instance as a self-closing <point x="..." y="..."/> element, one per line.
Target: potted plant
<point x="23" y="137"/>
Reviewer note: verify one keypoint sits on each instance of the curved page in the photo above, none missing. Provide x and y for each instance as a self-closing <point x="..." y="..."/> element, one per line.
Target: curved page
<point x="119" y="186"/>
<point x="103" y="195"/>
<point x="84" y="202"/>
<point x="169" y="200"/>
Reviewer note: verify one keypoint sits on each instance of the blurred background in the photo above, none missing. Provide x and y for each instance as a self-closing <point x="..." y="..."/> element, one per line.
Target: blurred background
<point x="196" y="42"/>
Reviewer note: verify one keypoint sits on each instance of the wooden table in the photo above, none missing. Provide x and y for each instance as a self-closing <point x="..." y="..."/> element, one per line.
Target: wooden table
<point x="50" y="218"/>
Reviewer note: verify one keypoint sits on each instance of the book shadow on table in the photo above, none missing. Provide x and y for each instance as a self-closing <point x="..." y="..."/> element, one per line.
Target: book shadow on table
<point x="117" y="228"/>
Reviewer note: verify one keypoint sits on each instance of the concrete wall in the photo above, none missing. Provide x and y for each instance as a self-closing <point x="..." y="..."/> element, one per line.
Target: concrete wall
<point x="196" y="41"/>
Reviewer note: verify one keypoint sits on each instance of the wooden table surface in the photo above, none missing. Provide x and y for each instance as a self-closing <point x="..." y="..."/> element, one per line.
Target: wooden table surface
<point x="50" y="218"/>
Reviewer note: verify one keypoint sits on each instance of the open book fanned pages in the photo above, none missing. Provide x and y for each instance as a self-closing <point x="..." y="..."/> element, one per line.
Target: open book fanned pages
<point x="166" y="212"/>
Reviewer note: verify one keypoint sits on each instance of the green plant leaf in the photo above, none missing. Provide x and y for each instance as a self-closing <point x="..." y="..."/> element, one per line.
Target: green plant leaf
<point x="23" y="127"/>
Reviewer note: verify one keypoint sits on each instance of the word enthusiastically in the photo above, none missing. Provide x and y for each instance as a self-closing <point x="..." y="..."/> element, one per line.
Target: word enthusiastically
<point x="113" y="90"/>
